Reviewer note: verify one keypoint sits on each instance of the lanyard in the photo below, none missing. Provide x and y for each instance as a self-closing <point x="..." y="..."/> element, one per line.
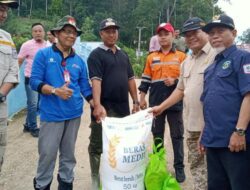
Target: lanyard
<point x="66" y="73"/>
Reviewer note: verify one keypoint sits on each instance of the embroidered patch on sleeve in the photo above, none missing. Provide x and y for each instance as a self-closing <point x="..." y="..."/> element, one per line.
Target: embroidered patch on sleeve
<point x="246" y="68"/>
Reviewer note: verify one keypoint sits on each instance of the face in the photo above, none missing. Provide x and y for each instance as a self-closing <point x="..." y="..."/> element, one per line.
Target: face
<point x="221" y="37"/>
<point x="38" y="33"/>
<point x="66" y="37"/>
<point x="196" y="39"/>
<point x="109" y="36"/>
<point x="50" y="37"/>
<point x="3" y="13"/>
<point x="177" y="33"/>
<point x="165" y="38"/>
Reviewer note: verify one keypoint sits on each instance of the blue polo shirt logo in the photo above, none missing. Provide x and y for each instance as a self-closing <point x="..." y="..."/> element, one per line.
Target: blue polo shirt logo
<point x="226" y="65"/>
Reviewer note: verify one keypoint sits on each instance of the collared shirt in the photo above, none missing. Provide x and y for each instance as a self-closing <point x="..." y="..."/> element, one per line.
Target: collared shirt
<point x="191" y="82"/>
<point x="8" y="65"/>
<point x="48" y="68"/>
<point x="115" y="71"/>
<point x="158" y="67"/>
<point x="154" y="44"/>
<point x="226" y="82"/>
<point x="28" y="51"/>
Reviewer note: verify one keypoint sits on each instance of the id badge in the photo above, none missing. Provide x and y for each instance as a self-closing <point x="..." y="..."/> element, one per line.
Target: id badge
<point x="66" y="76"/>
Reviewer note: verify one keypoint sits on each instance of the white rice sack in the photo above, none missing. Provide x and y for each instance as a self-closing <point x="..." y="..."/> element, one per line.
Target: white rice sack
<point x="125" y="156"/>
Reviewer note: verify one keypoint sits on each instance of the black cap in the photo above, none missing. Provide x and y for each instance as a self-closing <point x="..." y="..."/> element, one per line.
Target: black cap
<point x="11" y="3"/>
<point x="194" y="23"/>
<point x="221" y="20"/>
<point x="108" y="23"/>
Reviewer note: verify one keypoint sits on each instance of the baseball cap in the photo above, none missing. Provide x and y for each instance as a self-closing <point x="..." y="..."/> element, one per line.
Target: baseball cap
<point x="12" y="4"/>
<point x="165" y="26"/>
<point x="193" y="23"/>
<point x="107" y="23"/>
<point x="66" y="20"/>
<point x="219" y="20"/>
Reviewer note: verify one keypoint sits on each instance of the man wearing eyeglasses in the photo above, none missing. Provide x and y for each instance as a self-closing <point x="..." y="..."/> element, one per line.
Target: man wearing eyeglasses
<point x="8" y="73"/>
<point x="27" y="52"/>
<point x="61" y="78"/>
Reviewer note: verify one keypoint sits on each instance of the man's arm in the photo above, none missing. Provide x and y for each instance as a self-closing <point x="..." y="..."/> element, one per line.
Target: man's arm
<point x="5" y="88"/>
<point x="133" y="94"/>
<point x="20" y="61"/>
<point x="176" y="96"/>
<point x="238" y="142"/>
<point x="98" y="108"/>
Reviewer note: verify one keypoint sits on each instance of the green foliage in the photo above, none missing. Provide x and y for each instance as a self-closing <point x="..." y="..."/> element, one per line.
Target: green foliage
<point x="137" y="63"/>
<point x="129" y="14"/>
<point x="88" y="32"/>
<point x="245" y="38"/>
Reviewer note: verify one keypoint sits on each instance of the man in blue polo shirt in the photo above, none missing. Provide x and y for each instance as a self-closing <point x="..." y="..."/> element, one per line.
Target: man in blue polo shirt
<point x="226" y="100"/>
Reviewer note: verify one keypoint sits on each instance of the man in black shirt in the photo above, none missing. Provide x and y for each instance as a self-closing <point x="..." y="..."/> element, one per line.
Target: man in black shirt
<point x="112" y="78"/>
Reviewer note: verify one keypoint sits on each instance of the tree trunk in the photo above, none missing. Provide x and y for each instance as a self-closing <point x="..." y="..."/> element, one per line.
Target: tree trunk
<point x="46" y="8"/>
<point x="31" y="5"/>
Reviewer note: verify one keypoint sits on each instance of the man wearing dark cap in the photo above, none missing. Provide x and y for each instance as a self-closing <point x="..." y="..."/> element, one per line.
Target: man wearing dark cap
<point x="160" y="75"/>
<point x="60" y="76"/>
<point x="226" y="101"/>
<point x="8" y="73"/>
<point x="112" y="78"/>
<point x="189" y="88"/>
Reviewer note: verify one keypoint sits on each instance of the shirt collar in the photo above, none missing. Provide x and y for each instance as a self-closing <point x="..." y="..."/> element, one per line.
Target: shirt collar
<point x="206" y="49"/>
<point x="173" y="49"/>
<point x="55" y="48"/>
<point x="226" y="52"/>
<point x="106" y="48"/>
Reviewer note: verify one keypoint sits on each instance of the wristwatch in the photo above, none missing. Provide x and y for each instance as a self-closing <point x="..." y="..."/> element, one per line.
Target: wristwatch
<point x="53" y="91"/>
<point x="2" y="97"/>
<point x="239" y="131"/>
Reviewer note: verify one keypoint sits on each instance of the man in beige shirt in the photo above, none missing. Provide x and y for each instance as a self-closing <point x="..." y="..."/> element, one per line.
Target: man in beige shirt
<point x="8" y="73"/>
<point x="189" y="88"/>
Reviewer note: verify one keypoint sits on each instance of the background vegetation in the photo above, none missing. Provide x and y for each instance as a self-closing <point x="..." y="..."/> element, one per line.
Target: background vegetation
<point x="130" y="14"/>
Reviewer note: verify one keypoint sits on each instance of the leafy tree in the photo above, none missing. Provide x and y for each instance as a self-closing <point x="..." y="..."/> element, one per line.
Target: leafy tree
<point x="245" y="38"/>
<point x="87" y="29"/>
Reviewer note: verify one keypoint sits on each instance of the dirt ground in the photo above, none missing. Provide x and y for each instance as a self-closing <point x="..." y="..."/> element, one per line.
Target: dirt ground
<point x="21" y="158"/>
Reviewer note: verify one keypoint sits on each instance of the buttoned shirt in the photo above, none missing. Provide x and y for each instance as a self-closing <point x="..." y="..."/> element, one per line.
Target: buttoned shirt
<point x="8" y="65"/>
<point x="154" y="44"/>
<point x="191" y="82"/>
<point x="28" y="51"/>
<point x="226" y="82"/>
<point x="160" y="66"/>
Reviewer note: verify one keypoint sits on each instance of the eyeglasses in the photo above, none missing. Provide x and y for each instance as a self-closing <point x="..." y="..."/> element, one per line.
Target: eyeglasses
<point x="69" y="32"/>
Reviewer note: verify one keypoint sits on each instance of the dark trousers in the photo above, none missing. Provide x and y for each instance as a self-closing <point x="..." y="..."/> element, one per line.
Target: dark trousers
<point x="175" y="122"/>
<point x="228" y="170"/>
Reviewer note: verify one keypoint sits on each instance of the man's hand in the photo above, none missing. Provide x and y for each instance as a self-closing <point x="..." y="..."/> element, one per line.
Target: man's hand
<point x="64" y="92"/>
<point x="200" y="147"/>
<point x="136" y="108"/>
<point x="99" y="113"/>
<point x="169" y="81"/>
<point x="143" y="104"/>
<point x="237" y="143"/>
<point x="156" y="110"/>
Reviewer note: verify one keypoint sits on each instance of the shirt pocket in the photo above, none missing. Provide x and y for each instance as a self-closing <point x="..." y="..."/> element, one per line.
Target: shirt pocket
<point x="5" y="54"/>
<point x="224" y="73"/>
<point x="156" y="72"/>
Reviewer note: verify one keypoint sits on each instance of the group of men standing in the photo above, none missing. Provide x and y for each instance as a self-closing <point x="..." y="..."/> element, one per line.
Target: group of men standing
<point x="213" y="82"/>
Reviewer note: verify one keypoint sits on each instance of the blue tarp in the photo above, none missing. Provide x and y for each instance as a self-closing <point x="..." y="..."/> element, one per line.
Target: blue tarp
<point x="17" y="97"/>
